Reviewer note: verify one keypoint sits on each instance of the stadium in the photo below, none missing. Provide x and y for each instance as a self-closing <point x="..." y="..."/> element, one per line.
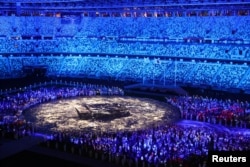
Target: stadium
<point x="136" y="83"/>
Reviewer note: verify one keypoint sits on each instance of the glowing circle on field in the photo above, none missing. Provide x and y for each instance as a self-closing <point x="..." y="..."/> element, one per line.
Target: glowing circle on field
<point x="100" y="114"/>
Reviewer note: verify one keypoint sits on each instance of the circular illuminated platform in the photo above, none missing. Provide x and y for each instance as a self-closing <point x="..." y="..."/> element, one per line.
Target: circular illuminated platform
<point x="100" y="113"/>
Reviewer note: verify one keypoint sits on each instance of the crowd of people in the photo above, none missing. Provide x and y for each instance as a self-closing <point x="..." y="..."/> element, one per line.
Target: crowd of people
<point x="12" y="105"/>
<point x="157" y="145"/>
<point x="170" y="37"/>
<point x="228" y="112"/>
<point x="170" y="145"/>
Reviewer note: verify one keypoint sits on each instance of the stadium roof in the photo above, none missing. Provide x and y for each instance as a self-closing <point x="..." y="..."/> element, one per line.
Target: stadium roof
<point x="79" y="6"/>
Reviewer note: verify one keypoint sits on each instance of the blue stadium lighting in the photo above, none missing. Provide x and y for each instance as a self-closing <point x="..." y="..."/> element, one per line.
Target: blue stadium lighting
<point x="162" y="48"/>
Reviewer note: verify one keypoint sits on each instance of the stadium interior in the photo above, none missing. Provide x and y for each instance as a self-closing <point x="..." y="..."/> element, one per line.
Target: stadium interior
<point x="133" y="83"/>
